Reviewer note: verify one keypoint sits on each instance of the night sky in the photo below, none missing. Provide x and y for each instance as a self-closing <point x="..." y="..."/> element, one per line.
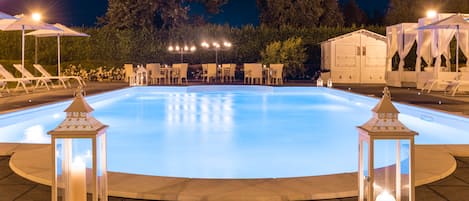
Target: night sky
<point x="84" y="12"/>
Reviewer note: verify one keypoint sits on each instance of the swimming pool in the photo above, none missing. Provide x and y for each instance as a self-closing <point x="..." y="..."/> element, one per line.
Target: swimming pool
<point x="232" y="131"/>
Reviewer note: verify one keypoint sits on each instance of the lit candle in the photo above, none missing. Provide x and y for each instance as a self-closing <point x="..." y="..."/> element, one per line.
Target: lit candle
<point x="78" y="180"/>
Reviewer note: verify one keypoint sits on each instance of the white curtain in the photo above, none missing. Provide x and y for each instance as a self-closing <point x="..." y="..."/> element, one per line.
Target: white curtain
<point x="440" y="46"/>
<point x="391" y="40"/>
<point x="442" y="38"/>
<point x="424" y="41"/>
<point x="405" y="41"/>
<point x="464" y="44"/>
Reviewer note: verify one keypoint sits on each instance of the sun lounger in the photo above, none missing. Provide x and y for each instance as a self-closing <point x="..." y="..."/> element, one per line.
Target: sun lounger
<point x="458" y="85"/>
<point x="4" y="86"/>
<point x="61" y="79"/>
<point x="26" y="74"/>
<point x="8" y="77"/>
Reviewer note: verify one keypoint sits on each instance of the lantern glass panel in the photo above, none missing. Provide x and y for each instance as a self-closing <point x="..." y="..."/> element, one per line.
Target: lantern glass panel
<point x="365" y="159"/>
<point x="101" y="164"/>
<point x="366" y="173"/>
<point x="384" y="177"/>
<point x="404" y="146"/>
<point x="74" y="161"/>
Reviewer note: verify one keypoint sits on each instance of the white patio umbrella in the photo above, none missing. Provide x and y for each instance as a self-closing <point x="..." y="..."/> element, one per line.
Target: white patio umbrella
<point x="64" y="31"/>
<point x="452" y="22"/>
<point x="23" y="23"/>
<point x="5" y="16"/>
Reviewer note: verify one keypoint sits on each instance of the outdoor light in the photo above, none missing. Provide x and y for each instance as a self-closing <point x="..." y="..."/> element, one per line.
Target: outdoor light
<point x="385" y="140"/>
<point x="36" y="16"/>
<point x="205" y="44"/>
<point x="79" y="155"/>
<point x="385" y="196"/>
<point x="216" y="46"/>
<point x="431" y="13"/>
<point x="181" y="50"/>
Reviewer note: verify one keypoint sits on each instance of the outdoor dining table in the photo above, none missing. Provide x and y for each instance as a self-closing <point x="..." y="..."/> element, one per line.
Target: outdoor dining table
<point x="167" y="71"/>
<point x="224" y="72"/>
<point x="267" y="74"/>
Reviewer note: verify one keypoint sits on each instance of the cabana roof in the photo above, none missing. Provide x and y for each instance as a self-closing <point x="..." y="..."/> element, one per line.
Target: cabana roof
<point x="361" y="31"/>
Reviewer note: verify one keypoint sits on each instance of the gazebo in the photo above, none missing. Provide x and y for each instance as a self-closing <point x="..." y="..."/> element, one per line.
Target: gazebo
<point x="400" y="39"/>
<point x="432" y="45"/>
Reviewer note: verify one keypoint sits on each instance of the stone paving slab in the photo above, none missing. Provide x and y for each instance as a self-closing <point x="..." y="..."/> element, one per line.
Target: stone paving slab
<point x="432" y="163"/>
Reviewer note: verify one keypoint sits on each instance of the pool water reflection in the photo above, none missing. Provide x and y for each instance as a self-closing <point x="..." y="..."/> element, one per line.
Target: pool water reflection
<point x="233" y="131"/>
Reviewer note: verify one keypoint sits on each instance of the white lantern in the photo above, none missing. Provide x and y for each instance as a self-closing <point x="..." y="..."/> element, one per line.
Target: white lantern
<point x="319" y="82"/>
<point x="386" y="156"/>
<point x="79" y="153"/>
<point x="329" y="82"/>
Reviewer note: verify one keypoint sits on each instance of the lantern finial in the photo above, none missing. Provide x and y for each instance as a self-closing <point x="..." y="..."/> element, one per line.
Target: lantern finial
<point x="386" y="92"/>
<point x="79" y="91"/>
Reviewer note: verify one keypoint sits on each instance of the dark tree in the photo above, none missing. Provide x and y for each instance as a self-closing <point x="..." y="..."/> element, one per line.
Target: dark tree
<point x="332" y="15"/>
<point x="213" y="6"/>
<point x="398" y="11"/>
<point x="152" y="14"/>
<point x="411" y="10"/>
<point x="377" y="18"/>
<point x="353" y="14"/>
<point x="298" y="13"/>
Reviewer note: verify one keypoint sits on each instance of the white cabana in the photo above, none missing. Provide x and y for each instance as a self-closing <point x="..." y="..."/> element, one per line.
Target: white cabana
<point x="356" y="57"/>
<point x="442" y="29"/>
<point x="432" y="43"/>
<point x="400" y="39"/>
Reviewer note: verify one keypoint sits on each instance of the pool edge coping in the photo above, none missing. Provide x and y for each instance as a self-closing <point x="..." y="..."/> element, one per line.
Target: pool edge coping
<point x="29" y="161"/>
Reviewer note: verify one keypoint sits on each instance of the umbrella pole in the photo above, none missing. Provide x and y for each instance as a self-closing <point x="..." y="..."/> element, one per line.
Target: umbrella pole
<point x="22" y="51"/>
<point x="58" y="55"/>
<point x="35" y="50"/>
<point x="457" y="52"/>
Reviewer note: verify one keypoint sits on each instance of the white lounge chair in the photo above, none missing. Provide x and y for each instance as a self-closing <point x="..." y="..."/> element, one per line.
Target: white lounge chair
<point x="4" y="86"/>
<point x="458" y="85"/>
<point x="444" y="82"/>
<point x="40" y="80"/>
<point x="8" y="77"/>
<point x="61" y="79"/>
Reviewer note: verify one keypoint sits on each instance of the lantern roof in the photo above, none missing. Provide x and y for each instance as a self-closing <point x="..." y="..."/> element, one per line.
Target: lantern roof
<point x="385" y="105"/>
<point x="79" y="104"/>
<point x="78" y="121"/>
<point x="385" y="120"/>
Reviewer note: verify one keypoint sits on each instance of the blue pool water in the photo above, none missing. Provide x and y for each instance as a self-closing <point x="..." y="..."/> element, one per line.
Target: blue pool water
<point x="233" y="131"/>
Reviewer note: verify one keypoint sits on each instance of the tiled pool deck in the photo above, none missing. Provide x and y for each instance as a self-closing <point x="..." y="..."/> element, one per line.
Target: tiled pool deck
<point x="433" y="163"/>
